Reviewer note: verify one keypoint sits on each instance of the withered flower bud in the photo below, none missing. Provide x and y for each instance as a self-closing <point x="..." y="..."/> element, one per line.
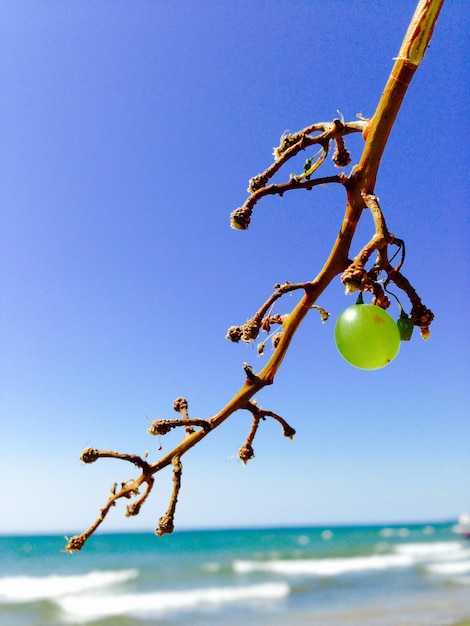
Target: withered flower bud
<point x="425" y="333"/>
<point x="234" y="333"/>
<point x="421" y="316"/>
<point x="246" y="453"/>
<point x="381" y="300"/>
<point x="165" y="526"/>
<point x="133" y="509"/>
<point x="341" y="156"/>
<point x="288" y="431"/>
<point x="75" y="543"/>
<point x="240" y="219"/>
<point x="257" y="182"/>
<point x="355" y="278"/>
<point x="160" y="427"/>
<point x="89" y="455"/>
<point x="286" y="142"/>
<point x="251" y="330"/>
<point x="180" y="404"/>
<point x="276" y="339"/>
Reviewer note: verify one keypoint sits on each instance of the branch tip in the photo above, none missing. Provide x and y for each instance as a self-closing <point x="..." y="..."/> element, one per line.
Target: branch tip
<point x="90" y="455"/>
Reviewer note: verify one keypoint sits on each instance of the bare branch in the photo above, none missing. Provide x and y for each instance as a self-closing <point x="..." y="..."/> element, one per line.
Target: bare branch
<point x="246" y="451"/>
<point x="359" y="187"/>
<point x="166" y="523"/>
<point x="90" y="455"/>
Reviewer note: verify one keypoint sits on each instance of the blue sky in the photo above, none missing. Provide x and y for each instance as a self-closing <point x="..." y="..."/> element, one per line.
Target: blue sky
<point x="129" y="132"/>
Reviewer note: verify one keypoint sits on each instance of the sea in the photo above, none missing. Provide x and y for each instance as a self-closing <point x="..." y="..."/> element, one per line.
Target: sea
<point x="383" y="575"/>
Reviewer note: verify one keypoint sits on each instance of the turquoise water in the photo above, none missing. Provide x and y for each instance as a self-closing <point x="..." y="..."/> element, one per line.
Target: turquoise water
<point x="291" y="576"/>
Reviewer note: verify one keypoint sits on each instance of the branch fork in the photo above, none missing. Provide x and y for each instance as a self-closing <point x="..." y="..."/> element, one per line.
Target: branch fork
<point x="246" y="452"/>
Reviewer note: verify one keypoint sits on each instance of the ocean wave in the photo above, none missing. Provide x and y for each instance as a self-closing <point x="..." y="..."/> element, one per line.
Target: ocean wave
<point x="89" y="607"/>
<point x="324" y="567"/>
<point x="403" y="555"/>
<point x="32" y="588"/>
<point x="436" y="550"/>
<point x="447" y="559"/>
<point x="450" y="568"/>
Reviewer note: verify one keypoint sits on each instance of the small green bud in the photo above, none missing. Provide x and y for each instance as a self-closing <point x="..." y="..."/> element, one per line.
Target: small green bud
<point x="405" y="327"/>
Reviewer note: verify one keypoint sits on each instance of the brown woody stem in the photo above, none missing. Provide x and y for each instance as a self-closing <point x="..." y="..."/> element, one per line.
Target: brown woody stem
<point x="359" y="190"/>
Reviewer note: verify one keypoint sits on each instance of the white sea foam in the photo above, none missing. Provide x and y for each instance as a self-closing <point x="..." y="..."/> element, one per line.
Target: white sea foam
<point x="324" y="567"/>
<point x="88" y="607"/>
<point x="444" y="556"/>
<point x="32" y="588"/>
<point x="453" y="568"/>
<point x="433" y="550"/>
<point x="450" y="559"/>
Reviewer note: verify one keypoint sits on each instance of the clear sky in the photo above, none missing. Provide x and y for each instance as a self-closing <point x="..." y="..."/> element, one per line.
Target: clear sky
<point x="129" y="131"/>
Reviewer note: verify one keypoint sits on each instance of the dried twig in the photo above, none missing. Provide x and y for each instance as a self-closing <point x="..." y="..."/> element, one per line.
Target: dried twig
<point x="246" y="452"/>
<point x="359" y="186"/>
<point x="166" y="523"/>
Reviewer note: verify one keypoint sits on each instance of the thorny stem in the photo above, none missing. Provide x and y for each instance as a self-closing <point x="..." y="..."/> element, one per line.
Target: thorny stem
<point x="359" y="188"/>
